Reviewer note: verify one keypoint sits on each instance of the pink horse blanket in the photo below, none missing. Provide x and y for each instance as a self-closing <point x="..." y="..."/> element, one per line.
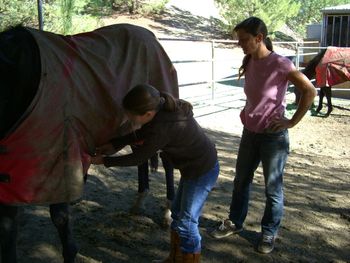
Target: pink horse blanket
<point x="77" y="107"/>
<point x="334" y="68"/>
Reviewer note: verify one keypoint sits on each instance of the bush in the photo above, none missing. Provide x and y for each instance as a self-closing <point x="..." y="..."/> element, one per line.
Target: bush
<point x="154" y="7"/>
<point x="13" y="12"/>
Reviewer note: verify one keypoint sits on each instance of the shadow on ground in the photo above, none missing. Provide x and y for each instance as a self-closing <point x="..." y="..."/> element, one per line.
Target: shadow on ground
<point x="315" y="227"/>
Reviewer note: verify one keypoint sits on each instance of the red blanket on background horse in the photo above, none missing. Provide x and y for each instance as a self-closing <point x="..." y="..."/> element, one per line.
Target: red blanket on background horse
<point x="334" y="67"/>
<point x="77" y="107"/>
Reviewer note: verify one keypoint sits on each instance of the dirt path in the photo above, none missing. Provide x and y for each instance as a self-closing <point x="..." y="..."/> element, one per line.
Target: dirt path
<point x="315" y="228"/>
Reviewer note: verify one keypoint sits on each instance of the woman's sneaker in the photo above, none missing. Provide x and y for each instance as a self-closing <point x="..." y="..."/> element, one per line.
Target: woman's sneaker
<point x="266" y="244"/>
<point x="226" y="229"/>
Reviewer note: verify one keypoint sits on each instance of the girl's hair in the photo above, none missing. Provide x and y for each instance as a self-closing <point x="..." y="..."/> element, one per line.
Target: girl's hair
<point x="144" y="97"/>
<point x="254" y="26"/>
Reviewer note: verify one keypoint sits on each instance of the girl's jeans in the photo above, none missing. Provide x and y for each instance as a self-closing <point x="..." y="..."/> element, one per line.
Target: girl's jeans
<point x="271" y="149"/>
<point x="187" y="207"/>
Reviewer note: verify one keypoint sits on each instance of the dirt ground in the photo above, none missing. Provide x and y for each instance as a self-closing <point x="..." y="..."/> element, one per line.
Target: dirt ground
<point x="315" y="228"/>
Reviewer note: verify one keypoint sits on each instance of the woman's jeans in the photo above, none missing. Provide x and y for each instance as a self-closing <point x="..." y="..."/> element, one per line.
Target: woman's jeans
<point x="271" y="149"/>
<point x="187" y="207"/>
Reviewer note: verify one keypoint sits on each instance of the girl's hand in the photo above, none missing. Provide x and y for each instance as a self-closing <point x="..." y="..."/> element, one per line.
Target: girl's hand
<point x="97" y="159"/>
<point x="280" y="125"/>
<point x="106" y="149"/>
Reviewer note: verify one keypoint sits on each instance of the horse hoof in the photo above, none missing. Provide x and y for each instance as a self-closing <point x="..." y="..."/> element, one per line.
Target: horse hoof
<point x="137" y="210"/>
<point x="328" y="113"/>
<point x="167" y="218"/>
<point x="139" y="205"/>
<point x="70" y="253"/>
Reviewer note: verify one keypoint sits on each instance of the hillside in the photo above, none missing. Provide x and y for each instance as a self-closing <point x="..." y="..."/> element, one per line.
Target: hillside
<point x="175" y="23"/>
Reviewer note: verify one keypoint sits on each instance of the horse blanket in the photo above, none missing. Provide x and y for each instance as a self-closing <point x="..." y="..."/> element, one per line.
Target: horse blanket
<point x="77" y="107"/>
<point x="334" y="68"/>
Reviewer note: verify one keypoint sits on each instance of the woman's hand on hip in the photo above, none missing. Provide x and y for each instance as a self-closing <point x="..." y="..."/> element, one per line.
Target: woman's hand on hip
<point x="280" y="124"/>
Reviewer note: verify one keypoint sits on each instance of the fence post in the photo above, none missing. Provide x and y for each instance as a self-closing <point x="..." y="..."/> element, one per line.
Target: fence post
<point x="212" y="70"/>
<point x="297" y="60"/>
<point x="40" y="14"/>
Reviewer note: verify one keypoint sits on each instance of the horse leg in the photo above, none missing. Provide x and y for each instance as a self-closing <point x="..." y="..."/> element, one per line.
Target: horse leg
<point x="60" y="218"/>
<point x="321" y="95"/>
<point x="170" y="190"/>
<point x="328" y="92"/>
<point x="143" y="188"/>
<point x="154" y="163"/>
<point x="8" y="233"/>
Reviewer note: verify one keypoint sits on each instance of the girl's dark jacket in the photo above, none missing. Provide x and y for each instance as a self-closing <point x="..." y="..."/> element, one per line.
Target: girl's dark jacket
<point x="178" y="135"/>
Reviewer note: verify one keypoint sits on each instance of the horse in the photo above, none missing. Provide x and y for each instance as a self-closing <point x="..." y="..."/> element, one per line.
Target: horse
<point x="60" y="98"/>
<point x="330" y="66"/>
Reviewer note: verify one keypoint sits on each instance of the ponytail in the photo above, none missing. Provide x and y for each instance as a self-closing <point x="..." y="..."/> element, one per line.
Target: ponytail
<point x="268" y="43"/>
<point x="171" y="104"/>
<point x="243" y="68"/>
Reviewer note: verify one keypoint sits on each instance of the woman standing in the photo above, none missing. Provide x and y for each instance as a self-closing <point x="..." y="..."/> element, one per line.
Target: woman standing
<point x="168" y="124"/>
<point x="265" y="134"/>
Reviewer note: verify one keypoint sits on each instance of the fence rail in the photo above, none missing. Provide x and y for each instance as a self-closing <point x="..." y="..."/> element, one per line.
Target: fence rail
<point x="296" y="46"/>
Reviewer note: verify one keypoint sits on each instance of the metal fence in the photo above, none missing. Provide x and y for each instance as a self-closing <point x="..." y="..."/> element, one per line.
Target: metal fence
<point x="213" y="61"/>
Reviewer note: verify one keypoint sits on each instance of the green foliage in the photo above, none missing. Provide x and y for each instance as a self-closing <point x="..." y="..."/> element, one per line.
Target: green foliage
<point x="154" y="7"/>
<point x="144" y="7"/>
<point x="273" y="12"/>
<point x="67" y="9"/>
<point x="100" y="8"/>
<point x="72" y="16"/>
<point x="63" y="16"/>
<point x="310" y="13"/>
<point x="13" y="12"/>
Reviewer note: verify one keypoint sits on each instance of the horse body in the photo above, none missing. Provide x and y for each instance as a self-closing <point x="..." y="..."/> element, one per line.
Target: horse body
<point x="77" y="106"/>
<point x="61" y="97"/>
<point x="330" y="66"/>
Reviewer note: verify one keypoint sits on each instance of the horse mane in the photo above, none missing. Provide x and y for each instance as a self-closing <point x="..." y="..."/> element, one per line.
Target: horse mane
<point x="310" y="69"/>
<point x="20" y="69"/>
<point x="4" y="35"/>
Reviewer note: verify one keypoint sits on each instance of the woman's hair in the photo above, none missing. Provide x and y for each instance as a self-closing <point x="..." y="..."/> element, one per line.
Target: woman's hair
<point x="254" y="26"/>
<point x="144" y="97"/>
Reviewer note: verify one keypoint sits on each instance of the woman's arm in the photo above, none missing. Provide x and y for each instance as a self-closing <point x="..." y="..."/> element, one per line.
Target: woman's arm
<point x="307" y="95"/>
<point x="122" y="141"/>
<point x="115" y="144"/>
<point x="139" y="155"/>
<point x="153" y="140"/>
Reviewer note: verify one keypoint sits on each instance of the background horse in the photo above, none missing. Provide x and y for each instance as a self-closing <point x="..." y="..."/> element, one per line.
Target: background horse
<point x="61" y="97"/>
<point x="330" y="66"/>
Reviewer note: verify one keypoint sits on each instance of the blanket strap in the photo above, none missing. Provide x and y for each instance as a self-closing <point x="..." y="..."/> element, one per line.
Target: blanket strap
<point x="5" y="178"/>
<point x="3" y="149"/>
